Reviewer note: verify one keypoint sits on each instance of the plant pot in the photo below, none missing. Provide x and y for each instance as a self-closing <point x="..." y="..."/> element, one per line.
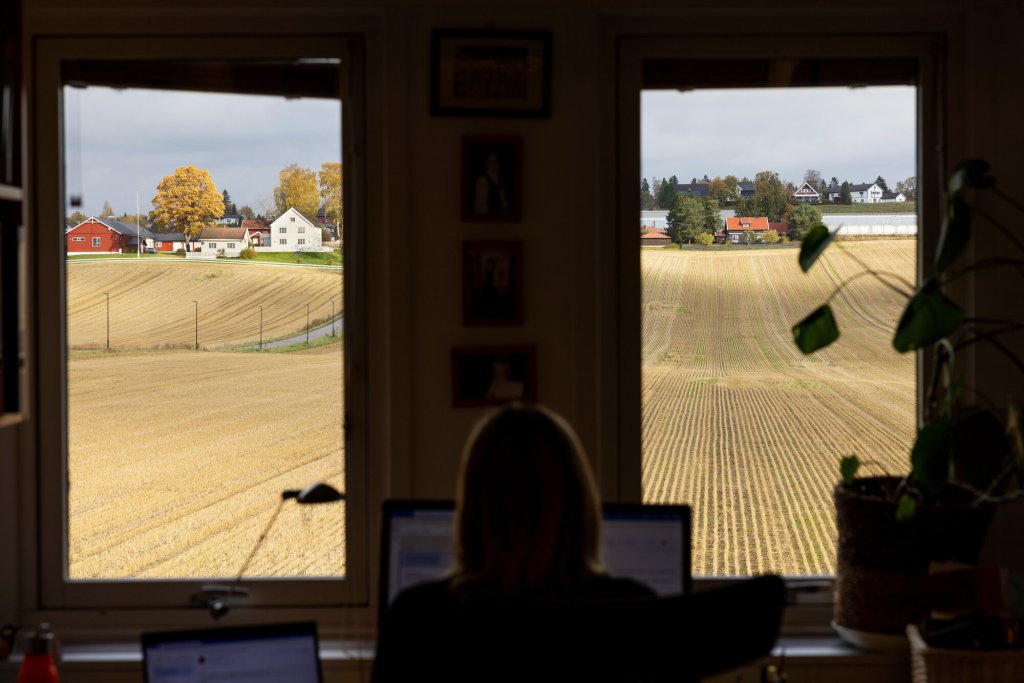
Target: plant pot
<point x="882" y="564"/>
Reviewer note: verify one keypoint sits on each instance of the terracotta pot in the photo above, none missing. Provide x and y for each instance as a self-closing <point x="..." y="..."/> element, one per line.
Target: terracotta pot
<point x="882" y="564"/>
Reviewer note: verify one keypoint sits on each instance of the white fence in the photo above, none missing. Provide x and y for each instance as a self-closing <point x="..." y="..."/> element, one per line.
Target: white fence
<point x="852" y="223"/>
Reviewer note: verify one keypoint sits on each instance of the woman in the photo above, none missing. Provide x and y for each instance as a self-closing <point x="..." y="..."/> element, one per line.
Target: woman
<point x="527" y="533"/>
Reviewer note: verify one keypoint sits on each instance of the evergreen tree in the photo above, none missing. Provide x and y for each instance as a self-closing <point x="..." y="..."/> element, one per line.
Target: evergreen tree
<point x="646" y="198"/>
<point x="771" y="196"/>
<point x="107" y="211"/>
<point x="686" y="219"/>
<point x="880" y="181"/>
<point x="229" y="206"/>
<point x="666" y="198"/>
<point x="844" y="194"/>
<point x="804" y="217"/>
<point x="712" y="216"/>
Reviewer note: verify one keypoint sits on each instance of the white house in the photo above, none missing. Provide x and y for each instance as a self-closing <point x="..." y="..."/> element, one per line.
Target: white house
<point x="293" y="232"/>
<point x="889" y="197"/>
<point x="805" y="193"/>
<point x="863" y="193"/>
<point x="232" y="240"/>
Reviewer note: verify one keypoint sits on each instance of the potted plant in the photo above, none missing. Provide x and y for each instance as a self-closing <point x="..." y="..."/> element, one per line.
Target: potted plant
<point x="967" y="456"/>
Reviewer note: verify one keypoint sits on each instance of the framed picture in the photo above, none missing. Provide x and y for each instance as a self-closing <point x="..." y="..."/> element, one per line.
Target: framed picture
<point x="492" y="283"/>
<point x="492" y="176"/>
<point x="493" y="375"/>
<point x="490" y="73"/>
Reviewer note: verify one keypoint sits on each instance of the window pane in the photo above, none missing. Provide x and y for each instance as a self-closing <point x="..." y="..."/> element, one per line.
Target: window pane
<point x="202" y="384"/>
<point x="736" y="421"/>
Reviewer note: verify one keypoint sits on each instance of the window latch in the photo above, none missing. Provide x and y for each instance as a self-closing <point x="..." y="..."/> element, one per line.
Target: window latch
<point x="215" y="598"/>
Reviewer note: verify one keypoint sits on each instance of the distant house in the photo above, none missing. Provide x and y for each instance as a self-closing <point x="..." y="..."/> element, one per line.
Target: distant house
<point x="653" y="237"/>
<point x="693" y="189"/>
<point x="292" y="231"/>
<point x="781" y="227"/>
<point x="233" y="220"/>
<point x="232" y="240"/>
<point x="737" y="225"/>
<point x="888" y="197"/>
<point x="805" y="193"/>
<point x="104" y="236"/>
<point x="744" y="190"/>
<point x="863" y="193"/>
<point x="167" y="241"/>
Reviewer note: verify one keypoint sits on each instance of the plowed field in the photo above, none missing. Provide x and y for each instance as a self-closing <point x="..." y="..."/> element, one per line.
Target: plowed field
<point x="744" y="428"/>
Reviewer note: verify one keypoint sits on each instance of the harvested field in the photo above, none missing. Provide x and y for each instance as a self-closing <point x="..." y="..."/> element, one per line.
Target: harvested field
<point x="151" y="302"/>
<point x="740" y="425"/>
<point x="177" y="459"/>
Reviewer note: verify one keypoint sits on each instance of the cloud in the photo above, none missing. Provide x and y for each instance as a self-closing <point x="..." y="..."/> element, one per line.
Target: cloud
<point x="854" y="134"/>
<point x="125" y="141"/>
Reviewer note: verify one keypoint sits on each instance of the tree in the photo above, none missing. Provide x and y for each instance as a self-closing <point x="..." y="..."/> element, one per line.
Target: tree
<point x="804" y="217"/>
<point x="731" y="182"/>
<point x="229" y="206"/>
<point x="745" y="206"/>
<point x="844" y="193"/>
<point x="76" y="218"/>
<point x="721" y="191"/>
<point x="246" y="212"/>
<point x="685" y="219"/>
<point x="666" y="197"/>
<point x="880" y="181"/>
<point x="265" y="206"/>
<point x="812" y="176"/>
<point x="908" y="187"/>
<point x="705" y="239"/>
<point x="770" y="237"/>
<point x="646" y="198"/>
<point x="770" y="195"/>
<point x="187" y="200"/>
<point x="749" y="236"/>
<point x="330" y="179"/>
<point x="712" y="215"/>
<point x="107" y="211"/>
<point x="297" y="189"/>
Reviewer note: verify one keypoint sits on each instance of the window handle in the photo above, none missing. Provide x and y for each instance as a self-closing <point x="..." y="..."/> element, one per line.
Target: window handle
<point x="215" y="598"/>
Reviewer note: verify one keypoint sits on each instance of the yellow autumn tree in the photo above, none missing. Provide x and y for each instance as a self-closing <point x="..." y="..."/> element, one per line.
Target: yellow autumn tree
<point x="330" y="191"/>
<point x="187" y="200"/>
<point x="297" y="189"/>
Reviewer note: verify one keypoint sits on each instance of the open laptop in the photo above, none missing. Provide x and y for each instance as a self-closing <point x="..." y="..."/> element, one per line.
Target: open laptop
<point x="647" y="543"/>
<point x="272" y="653"/>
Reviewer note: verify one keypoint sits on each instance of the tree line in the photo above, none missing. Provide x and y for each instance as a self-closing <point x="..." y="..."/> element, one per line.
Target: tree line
<point x="188" y="200"/>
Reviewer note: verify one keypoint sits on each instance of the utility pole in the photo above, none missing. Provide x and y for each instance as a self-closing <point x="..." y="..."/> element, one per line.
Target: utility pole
<point x="197" y="323"/>
<point x="332" y="318"/>
<point x="138" y="229"/>
<point x="261" y="328"/>
<point x="107" y="294"/>
<point x="307" y="323"/>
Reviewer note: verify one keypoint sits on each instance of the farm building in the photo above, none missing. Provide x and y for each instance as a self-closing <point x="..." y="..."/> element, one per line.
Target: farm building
<point x="862" y="193"/>
<point x="781" y="227"/>
<point x="735" y="226"/>
<point x="259" y="231"/>
<point x="888" y="197"/>
<point x="104" y="236"/>
<point x="652" y="237"/>
<point x="294" y="232"/>
<point x="232" y="240"/>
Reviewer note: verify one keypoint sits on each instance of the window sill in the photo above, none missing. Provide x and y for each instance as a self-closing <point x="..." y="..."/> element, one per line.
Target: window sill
<point x="806" y="659"/>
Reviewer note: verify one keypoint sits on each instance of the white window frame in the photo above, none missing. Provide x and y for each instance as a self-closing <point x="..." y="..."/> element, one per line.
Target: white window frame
<point x="301" y="241"/>
<point x="282" y="241"/>
<point x="230" y="245"/>
<point x="623" y="382"/>
<point x="211" y="245"/>
<point x="121" y="605"/>
<point x="77" y="239"/>
<point x="97" y="241"/>
<point x="283" y="230"/>
<point x="302" y="228"/>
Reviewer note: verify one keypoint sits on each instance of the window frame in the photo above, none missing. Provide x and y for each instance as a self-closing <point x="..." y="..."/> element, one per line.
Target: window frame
<point x="43" y="451"/>
<point x="97" y="241"/>
<point x="808" y="612"/>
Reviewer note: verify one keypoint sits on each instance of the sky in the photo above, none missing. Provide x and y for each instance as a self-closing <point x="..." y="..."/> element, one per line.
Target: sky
<point x="855" y="134"/>
<point x="123" y="142"/>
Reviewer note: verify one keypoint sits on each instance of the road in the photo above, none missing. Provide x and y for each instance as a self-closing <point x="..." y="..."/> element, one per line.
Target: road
<point x="337" y="326"/>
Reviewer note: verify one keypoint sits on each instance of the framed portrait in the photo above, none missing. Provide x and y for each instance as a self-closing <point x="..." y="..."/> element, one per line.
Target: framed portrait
<point x="493" y="375"/>
<point x="490" y="73"/>
<point x="492" y="283"/>
<point x="492" y="176"/>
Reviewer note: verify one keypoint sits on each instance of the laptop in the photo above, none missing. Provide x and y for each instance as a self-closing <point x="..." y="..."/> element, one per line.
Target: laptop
<point x="647" y="543"/>
<point x="271" y="653"/>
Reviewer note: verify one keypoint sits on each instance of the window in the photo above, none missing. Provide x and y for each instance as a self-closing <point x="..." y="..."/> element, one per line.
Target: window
<point x="283" y="230"/>
<point x="292" y="219"/>
<point x="282" y="241"/>
<point x="302" y="241"/>
<point x="77" y="239"/>
<point x="302" y="228"/>
<point x="231" y="245"/>
<point x="159" y="244"/>
<point x="708" y="381"/>
<point x="95" y="241"/>
<point x="91" y="558"/>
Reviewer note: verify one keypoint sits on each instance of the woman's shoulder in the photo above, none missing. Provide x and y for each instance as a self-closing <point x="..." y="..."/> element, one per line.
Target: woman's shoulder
<point x="604" y="586"/>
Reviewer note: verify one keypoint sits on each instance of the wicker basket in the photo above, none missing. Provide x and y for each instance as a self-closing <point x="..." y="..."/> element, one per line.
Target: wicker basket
<point x="939" y="665"/>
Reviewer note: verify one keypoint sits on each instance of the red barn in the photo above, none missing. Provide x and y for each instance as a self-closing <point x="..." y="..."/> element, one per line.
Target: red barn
<point x="102" y="236"/>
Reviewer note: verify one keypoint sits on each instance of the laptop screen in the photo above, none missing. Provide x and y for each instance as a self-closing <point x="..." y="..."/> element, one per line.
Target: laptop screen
<point x="647" y="543"/>
<point x="274" y="653"/>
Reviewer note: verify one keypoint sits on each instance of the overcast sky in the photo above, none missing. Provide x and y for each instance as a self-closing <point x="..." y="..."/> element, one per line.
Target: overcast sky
<point x="855" y="134"/>
<point x="120" y="142"/>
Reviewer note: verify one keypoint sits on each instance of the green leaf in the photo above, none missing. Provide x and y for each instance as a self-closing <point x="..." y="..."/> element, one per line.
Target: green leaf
<point x="813" y="244"/>
<point x="928" y="317"/>
<point x="970" y="173"/>
<point x="816" y="331"/>
<point x="956" y="232"/>
<point x="930" y="457"/>
<point x="848" y="468"/>
<point x="906" y="508"/>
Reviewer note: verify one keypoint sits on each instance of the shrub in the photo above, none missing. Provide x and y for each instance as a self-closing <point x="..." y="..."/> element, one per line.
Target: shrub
<point x="221" y="254"/>
<point x="770" y="237"/>
<point x="180" y="252"/>
<point x="248" y="253"/>
<point x="705" y="239"/>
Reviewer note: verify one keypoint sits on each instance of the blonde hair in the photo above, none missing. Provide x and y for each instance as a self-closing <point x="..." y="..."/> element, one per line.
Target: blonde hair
<point x="528" y="515"/>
